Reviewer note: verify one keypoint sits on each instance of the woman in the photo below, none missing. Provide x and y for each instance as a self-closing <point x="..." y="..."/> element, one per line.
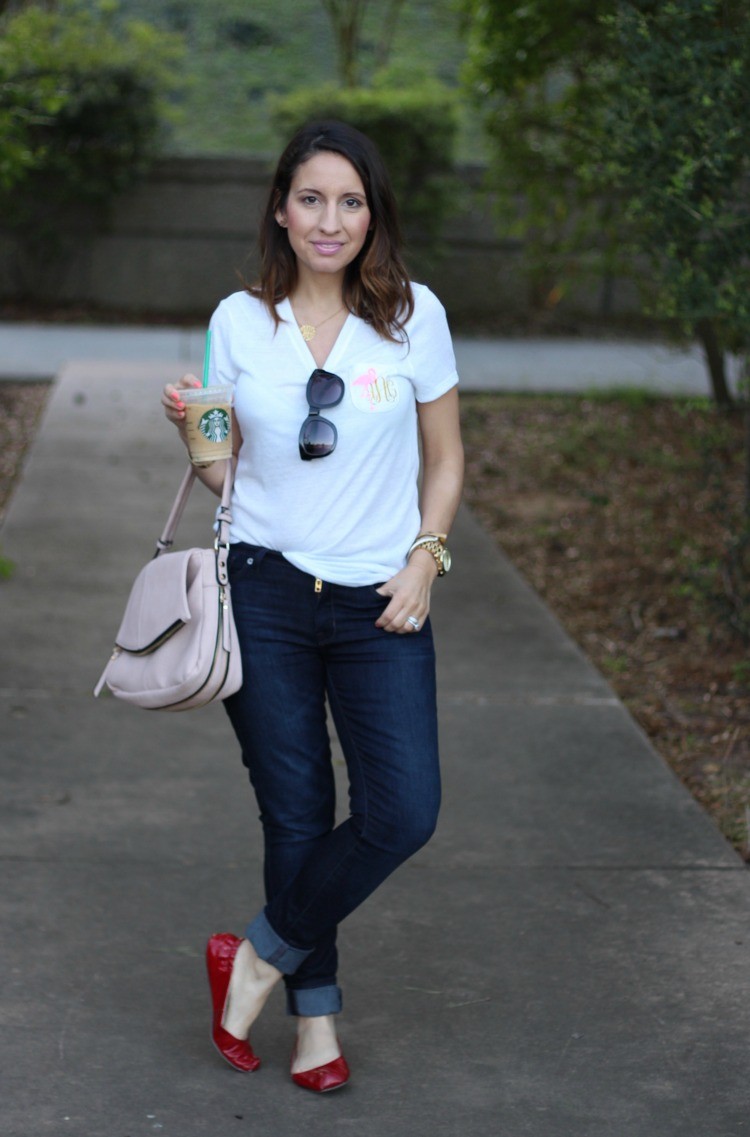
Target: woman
<point x="341" y="367"/>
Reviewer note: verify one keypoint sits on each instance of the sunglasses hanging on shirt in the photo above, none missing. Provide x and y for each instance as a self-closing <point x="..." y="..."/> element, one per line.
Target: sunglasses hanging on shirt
<point x="318" y="436"/>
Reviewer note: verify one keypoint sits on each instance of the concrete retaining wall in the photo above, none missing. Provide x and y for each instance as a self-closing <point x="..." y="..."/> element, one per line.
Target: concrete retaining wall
<point x="174" y="245"/>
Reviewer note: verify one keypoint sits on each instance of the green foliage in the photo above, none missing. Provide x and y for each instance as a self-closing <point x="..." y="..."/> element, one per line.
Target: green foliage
<point x="622" y="125"/>
<point x="239" y="53"/>
<point x="413" y="127"/>
<point x="347" y="19"/>
<point x="675" y="147"/>
<point x="529" y="71"/>
<point x="80" y="104"/>
<point x="512" y="45"/>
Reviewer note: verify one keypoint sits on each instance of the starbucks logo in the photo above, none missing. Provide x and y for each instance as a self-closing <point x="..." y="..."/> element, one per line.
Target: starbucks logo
<point x="214" y="424"/>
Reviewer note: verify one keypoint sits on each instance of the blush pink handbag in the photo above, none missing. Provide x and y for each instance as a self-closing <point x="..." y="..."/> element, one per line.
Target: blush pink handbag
<point x="177" y="645"/>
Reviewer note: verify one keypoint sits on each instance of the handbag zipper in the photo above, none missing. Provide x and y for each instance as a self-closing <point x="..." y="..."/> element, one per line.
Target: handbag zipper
<point x="219" y="639"/>
<point x="160" y="639"/>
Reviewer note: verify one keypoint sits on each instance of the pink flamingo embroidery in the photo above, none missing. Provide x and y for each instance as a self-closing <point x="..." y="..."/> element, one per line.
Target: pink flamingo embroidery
<point x="368" y="383"/>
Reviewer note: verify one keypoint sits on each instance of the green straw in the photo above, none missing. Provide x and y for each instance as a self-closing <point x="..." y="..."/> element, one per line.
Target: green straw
<point x="206" y="358"/>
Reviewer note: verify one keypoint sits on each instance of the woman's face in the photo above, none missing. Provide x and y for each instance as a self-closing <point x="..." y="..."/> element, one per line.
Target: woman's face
<point x="326" y="214"/>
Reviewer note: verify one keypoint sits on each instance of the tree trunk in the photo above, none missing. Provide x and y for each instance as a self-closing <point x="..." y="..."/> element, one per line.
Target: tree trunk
<point x="745" y="395"/>
<point x="747" y="462"/>
<point x="715" y="361"/>
<point x="346" y="18"/>
<point x="388" y="33"/>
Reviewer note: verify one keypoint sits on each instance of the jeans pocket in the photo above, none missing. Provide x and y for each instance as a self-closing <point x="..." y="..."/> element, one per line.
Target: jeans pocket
<point x="244" y="562"/>
<point x="363" y="598"/>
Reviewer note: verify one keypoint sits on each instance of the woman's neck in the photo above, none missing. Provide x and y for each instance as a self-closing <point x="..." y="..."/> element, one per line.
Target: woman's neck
<point x="317" y="294"/>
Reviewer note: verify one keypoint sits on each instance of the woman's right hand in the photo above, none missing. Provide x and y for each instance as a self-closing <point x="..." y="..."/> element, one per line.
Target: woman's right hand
<point x="174" y="408"/>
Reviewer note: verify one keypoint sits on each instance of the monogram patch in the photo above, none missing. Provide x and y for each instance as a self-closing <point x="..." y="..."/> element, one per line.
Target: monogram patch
<point x="374" y="392"/>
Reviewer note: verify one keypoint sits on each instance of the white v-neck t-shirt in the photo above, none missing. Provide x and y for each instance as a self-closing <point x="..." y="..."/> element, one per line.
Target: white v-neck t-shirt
<point x="348" y="518"/>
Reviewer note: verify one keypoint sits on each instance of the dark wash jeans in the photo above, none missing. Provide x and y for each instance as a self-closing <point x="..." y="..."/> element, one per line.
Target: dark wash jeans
<point x="300" y="645"/>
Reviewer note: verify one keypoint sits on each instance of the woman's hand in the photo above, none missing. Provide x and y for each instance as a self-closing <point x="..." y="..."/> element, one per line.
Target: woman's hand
<point x="174" y="408"/>
<point x="409" y="591"/>
<point x="212" y="475"/>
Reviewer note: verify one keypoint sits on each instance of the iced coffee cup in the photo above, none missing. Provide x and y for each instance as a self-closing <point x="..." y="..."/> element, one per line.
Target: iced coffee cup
<point x="208" y="422"/>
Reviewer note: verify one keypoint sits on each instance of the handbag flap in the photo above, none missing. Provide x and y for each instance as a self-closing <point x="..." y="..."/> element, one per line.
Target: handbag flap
<point x="158" y="603"/>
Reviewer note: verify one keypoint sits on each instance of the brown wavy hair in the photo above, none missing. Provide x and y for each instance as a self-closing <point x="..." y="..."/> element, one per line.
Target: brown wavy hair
<point x="376" y="283"/>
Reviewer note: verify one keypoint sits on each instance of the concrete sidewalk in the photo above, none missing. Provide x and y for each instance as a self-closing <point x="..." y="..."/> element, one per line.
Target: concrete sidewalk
<point x="31" y="351"/>
<point x="567" y="958"/>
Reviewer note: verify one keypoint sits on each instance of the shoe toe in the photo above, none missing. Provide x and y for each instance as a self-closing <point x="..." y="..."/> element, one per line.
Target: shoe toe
<point x="331" y="1076"/>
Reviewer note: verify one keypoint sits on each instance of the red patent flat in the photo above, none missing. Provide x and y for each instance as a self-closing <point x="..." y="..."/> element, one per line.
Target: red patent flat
<point x="322" y="1079"/>
<point x="220" y="954"/>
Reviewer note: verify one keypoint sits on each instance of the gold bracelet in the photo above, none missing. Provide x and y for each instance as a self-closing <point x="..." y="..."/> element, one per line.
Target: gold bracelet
<point x="433" y="543"/>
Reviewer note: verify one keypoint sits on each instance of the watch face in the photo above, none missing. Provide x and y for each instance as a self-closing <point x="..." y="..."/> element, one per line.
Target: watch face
<point x="446" y="560"/>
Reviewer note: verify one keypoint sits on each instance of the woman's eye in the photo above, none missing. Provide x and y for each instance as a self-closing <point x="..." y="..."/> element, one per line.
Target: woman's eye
<point x="353" y="203"/>
<point x="309" y="199"/>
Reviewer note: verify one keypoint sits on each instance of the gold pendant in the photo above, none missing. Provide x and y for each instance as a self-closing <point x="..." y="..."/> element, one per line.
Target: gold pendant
<point x="308" y="332"/>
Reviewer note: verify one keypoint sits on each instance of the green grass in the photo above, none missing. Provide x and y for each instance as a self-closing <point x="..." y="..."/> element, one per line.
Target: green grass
<point x="239" y="53"/>
<point x="633" y="397"/>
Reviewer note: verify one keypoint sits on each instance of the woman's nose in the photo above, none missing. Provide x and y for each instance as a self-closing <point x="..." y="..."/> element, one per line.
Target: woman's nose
<point x="329" y="222"/>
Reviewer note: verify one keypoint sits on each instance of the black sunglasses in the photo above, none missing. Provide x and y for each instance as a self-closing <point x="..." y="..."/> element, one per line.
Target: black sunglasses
<point x="318" y="436"/>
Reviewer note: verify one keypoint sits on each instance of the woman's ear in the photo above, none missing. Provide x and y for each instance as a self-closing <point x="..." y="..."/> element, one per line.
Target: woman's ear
<point x="278" y="209"/>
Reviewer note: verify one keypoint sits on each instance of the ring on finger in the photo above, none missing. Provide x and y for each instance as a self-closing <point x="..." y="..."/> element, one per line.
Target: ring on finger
<point x="414" y="622"/>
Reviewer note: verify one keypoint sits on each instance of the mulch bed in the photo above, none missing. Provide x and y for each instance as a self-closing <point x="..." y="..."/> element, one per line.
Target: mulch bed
<point x="21" y="406"/>
<point x="623" y="513"/>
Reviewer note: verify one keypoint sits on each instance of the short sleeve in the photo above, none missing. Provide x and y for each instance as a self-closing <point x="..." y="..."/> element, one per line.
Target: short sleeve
<point x="221" y="367"/>
<point x="431" y="354"/>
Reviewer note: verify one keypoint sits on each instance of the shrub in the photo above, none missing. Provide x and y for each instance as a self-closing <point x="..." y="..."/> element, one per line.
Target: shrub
<point x="80" y="108"/>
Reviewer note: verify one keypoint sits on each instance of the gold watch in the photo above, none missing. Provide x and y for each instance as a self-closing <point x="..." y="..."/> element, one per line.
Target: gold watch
<point x="434" y="543"/>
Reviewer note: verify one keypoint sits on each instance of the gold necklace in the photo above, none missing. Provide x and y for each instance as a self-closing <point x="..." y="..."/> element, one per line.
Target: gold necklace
<point x="309" y="331"/>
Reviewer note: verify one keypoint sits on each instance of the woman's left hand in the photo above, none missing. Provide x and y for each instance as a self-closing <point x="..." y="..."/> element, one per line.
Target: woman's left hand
<point x="409" y="591"/>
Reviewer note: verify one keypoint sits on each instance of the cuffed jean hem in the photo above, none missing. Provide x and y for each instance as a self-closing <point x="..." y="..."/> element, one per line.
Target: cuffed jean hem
<point x="314" y="1001"/>
<point x="270" y="946"/>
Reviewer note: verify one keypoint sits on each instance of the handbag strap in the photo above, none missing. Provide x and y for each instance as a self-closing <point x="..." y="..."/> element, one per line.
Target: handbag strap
<point x="223" y="512"/>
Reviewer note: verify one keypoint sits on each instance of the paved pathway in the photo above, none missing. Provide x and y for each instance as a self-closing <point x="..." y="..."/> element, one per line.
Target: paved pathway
<point x="40" y="350"/>
<point x="567" y="958"/>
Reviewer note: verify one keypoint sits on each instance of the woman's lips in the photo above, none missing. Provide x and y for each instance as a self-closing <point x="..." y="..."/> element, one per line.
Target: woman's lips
<point x="327" y="248"/>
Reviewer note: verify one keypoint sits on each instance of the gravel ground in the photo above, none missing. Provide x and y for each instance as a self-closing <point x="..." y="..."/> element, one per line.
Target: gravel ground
<point x="21" y="406"/>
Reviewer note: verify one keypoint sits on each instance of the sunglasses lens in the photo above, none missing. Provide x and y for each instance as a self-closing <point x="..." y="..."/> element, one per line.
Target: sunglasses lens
<point x="324" y="389"/>
<point x="317" y="438"/>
